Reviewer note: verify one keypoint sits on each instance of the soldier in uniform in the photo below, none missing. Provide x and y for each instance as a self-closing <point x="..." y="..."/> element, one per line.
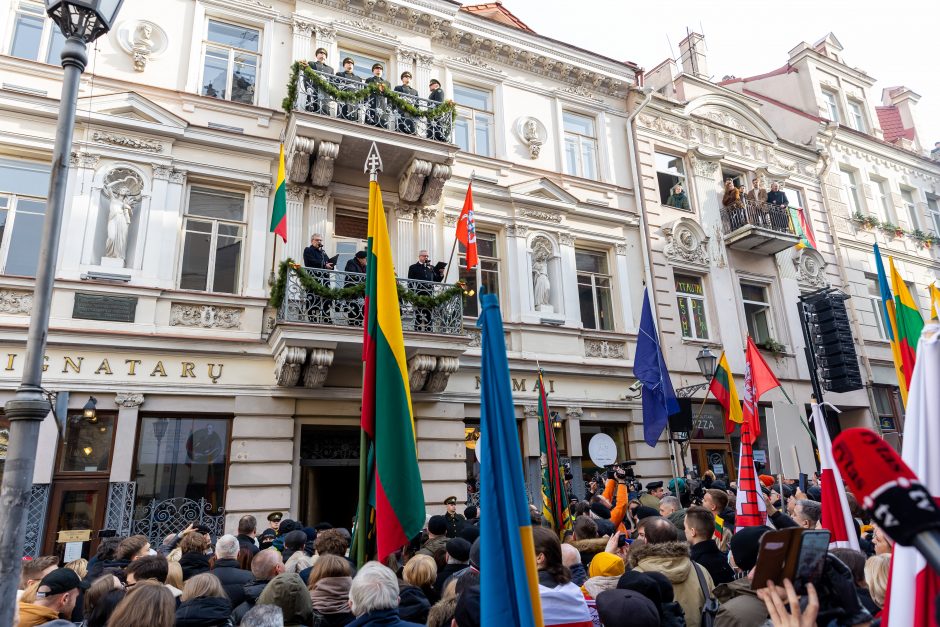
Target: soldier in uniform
<point x="348" y="111"/>
<point x="438" y="128"/>
<point x="376" y="114"/>
<point x="267" y="537"/>
<point x="455" y="522"/>
<point x="654" y="492"/>
<point x="320" y="102"/>
<point x="406" y="123"/>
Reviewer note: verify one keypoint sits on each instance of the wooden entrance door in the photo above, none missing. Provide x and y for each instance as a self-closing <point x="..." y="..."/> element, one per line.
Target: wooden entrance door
<point x="715" y="457"/>
<point x="76" y="504"/>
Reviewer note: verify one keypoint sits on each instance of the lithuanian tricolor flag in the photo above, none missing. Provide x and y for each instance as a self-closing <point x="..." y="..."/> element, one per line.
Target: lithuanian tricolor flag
<point x="801" y="227"/>
<point x="279" y="214"/>
<point x="719" y="528"/>
<point x="934" y="301"/>
<point x="891" y="322"/>
<point x="909" y="323"/>
<point x="391" y="498"/>
<point x="722" y="387"/>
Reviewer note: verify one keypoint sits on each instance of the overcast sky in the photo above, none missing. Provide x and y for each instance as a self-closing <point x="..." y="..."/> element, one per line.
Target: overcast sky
<point x="895" y="42"/>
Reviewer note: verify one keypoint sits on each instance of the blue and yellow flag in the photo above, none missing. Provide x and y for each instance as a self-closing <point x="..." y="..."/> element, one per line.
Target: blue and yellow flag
<point x="509" y="593"/>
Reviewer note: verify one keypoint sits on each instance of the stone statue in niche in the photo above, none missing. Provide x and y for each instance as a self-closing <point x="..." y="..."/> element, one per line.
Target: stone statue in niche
<point x="122" y="187"/>
<point x="143" y="45"/>
<point x="541" y="284"/>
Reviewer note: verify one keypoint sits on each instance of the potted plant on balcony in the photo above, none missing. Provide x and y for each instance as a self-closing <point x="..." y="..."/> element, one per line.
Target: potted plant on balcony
<point x="891" y="230"/>
<point x="865" y="220"/>
<point x="923" y="239"/>
<point x="773" y="347"/>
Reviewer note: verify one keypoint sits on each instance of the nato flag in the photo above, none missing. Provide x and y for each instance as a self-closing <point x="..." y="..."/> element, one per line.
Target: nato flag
<point x="659" y="399"/>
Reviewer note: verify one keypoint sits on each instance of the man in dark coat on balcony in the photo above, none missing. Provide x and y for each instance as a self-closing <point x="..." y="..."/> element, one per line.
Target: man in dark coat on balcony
<point x="320" y="103"/>
<point x="376" y="114"/>
<point x="355" y="267"/>
<point x="315" y="256"/>
<point x="348" y="111"/>
<point x="423" y="271"/>
<point x="438" y="128"/>
<point x="406" y="123"/>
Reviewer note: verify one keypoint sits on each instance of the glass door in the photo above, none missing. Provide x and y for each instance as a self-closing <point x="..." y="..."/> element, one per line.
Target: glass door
<point x="715" y="457"/>
<point x="75" y="505"/>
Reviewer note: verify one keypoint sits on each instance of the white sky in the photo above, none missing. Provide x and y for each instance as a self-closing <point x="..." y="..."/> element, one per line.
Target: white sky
<point x="895" y="42"/>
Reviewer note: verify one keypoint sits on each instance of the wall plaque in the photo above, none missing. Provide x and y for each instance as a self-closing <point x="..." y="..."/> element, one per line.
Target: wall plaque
<point x="101" y="307"/>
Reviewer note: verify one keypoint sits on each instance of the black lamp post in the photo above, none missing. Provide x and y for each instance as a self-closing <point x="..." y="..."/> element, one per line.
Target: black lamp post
<point x="706" y="362"/>
<point x="81" y="21"/>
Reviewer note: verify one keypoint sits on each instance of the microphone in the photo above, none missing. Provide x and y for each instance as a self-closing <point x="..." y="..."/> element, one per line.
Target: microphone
<point x="890" y="491"/>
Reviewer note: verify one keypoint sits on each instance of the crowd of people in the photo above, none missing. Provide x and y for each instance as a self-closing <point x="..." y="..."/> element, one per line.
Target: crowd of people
<point x="658" y="556"/>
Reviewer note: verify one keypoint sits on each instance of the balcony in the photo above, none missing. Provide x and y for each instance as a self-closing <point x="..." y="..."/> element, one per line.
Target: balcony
<point x="327" y="131"/>
<point x="321" y="327"/>
<point x="758" y="228"/>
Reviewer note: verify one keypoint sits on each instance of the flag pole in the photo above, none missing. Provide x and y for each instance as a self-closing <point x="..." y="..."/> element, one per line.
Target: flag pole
<point x="453" y="248"/>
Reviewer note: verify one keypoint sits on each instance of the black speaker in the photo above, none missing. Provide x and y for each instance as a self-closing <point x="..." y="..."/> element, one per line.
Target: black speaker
<point x="832" y="341"/>
<point x="682" y="421"/>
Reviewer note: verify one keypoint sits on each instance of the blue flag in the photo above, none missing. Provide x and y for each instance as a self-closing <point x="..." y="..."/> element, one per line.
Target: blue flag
<point x="659" y="399"/>
<point x="509" y="593"/>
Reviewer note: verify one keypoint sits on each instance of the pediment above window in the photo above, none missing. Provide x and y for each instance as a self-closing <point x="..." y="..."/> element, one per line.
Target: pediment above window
<point x="686" y="243"/>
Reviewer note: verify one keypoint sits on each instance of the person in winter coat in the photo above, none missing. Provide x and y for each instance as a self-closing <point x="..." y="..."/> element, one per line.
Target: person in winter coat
<point x="194" y="560"/>
<point x="265" y="566"/>
<point x="562" y="601"/>
<point x="437" y="536"/>
<point x="604" y="573"/>
<point x="572" y="559"/>
<point x="412" y="604"/>
<point x="586" y="540"/>
<point x="671" y="509"/>
<point x="658" y="589"/>
<point x="625" y="608"/>
<point x="288" y="592"/>
<point x="373" y="598"/>
<point x="658" y="550"/>
<point x="678" y="198"/>
<point x="700" y="533"/>
<point x="226" y="568"/>
<point x="204" y="603"/>
<point x="458" y="558"/>
<point x="740" y="606"/>
<point x="328" y="585"/>
<point x="148" y="604"/>
<point x="421" y="572"/>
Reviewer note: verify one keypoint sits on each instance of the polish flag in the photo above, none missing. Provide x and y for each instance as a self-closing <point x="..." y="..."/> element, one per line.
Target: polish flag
<point x="466" y="230"/>
<point x="836" y="516"/>
<point x="912" y="585"/>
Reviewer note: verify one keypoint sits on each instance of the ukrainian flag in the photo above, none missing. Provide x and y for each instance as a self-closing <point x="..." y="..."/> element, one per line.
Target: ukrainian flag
<point x="509" y="591"/>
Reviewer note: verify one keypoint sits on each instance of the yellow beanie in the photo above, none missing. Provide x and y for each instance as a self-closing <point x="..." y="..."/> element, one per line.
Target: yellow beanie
<point x="606" y="565"/>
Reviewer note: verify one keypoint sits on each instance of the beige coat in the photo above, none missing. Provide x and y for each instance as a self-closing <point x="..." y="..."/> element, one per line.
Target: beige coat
<point x="672" y="560"/>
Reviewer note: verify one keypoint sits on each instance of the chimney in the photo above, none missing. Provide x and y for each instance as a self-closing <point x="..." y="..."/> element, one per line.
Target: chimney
<point x="905" y="100"/>
<point x="692" y="56"/>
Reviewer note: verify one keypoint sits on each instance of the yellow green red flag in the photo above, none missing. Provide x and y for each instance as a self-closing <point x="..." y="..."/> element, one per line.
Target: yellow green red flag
<point x="909" y="323"/>
<point x="279" y="213"/>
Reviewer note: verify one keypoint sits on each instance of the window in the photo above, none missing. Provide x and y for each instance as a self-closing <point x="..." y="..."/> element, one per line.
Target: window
<point x="594" y="290"/>
<point x="87" y="445"/>
<point x="850" y="185"/>
<point x="907" y="196"/>
<point x="214" y="233"/>
<point x="856" y="116"/>
<point x="363" y="63"/>
<point x="874" y="297"/>
<point x="690" y="298"/>
<point x="181" y="457"/>
<point x="474" y="127"/>
<point x="23" y="187"/>
<point x="231" y="62"/>
<point x="832" y="105"/>
<point x="933" y="213"/>
<point x="794" y="196"/>
<point x="670" y="171"/>
<point x="886" y="403"/>
<point x="757" y="311"/>
<point x="882" y="199"/>
<point x="35" y="37"/>
<point x="485" y="274"/>
<point x="580" y="145"/>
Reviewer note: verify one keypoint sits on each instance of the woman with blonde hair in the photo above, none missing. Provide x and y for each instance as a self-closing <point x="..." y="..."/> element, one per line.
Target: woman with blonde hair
<point x="174" y="578"/>
<point x="876" y="576"/>
<point x="421" y="572"/>
<point x="148" y="604"/>
<point x="80" y="566"/>
<point x="328" y="584"/>
<point x="96" y="610"/>
<point x="204" y="602"/>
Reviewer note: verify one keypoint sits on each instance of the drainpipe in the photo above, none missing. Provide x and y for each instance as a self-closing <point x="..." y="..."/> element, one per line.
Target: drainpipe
<point x="644" y="235"/>
<point x="825" y="160"/>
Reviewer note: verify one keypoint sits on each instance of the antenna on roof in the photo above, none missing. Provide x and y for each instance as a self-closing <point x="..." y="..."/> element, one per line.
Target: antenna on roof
<point x="692" y="55"/>
<point x="672" y="53"/>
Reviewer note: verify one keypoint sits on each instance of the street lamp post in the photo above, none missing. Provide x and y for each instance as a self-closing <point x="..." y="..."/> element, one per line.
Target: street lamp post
<point x="81" y="21"/>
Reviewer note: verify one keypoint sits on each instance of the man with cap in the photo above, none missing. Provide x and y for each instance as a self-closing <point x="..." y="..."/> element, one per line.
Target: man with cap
<point x="437" y="538"/>
<point x="406" y="122"/>
<point x="654" y="492"/>
<point x="377" y="113"/>
<point x="739" y="603"/>
<point x="457" y="558"/>
<point x="274" y="520"/>
<point x="455" y="521"/>
<point x="351" y="82"/>
<point x="55" y="598"/>
<point x="438" y="128"/>
<point x="320" y="102"/>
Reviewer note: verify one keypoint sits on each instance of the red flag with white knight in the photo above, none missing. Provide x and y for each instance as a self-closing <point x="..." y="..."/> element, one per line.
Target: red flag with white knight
<point x="751" y="511"/>
<point x="758" y="379"/>
<point x="466" y="229"/>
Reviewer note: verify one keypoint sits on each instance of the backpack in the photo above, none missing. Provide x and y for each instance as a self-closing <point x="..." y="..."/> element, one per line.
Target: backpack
<point x="710" y="609"/>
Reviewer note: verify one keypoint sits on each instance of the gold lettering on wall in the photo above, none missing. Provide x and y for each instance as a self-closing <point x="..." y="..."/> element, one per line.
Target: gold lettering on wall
<point x="10" y="358"/>
<point x="187" y="367"/>
<point x="518" y="386"/>
<point x="132" y="366"/>
<point x="215" y="377"/>
<point x="158" y="369"/>
<point x="73" y="364"/>
<point x="105" y="367"/>
<point x="45" y="362"/>
<point x="77" y="367"/>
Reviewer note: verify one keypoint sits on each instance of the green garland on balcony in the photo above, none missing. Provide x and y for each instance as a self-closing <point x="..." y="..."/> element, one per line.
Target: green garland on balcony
<point x="423" y="301"/>
<point x="445" y="108"/>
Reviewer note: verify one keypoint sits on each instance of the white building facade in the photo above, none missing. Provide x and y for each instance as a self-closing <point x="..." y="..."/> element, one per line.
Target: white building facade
<point x="210" y="402"/>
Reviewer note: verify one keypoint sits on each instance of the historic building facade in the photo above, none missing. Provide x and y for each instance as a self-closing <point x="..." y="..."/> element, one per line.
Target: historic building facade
<point x="208" y="401"/>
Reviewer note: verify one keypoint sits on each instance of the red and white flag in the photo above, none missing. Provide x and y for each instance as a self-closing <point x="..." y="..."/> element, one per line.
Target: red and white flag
<point x="758" y="378"/>
<point x="750" y="509"/>
<point x="466" y="230"/>
<point x="836" y="516"/>
<point x="912" y="585"/>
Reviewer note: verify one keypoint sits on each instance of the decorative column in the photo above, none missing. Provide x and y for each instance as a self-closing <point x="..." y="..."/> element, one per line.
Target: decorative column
<point x="405" y="252"/>
<point x="318" y="212"/>
<point x="427" y="225"/>
<point x="258" y="234"/>
<point x="296" y="239"/>
<point x="452" y="272"/>
<point x="153" y="228"/>
<point x="302" y="31"/>
<point x="405" y="60"/>
<point x="423" y="67"/>
<point x="122" y="460"/>
<point x="572" y="428"/>
<point x="518" y="264"/>
<point x="626" y="288"/>
<point x="170" y="226"/>
<point x="326" y="38"/>
<point x="569" y="279"/>
<point x="78" y="220"/>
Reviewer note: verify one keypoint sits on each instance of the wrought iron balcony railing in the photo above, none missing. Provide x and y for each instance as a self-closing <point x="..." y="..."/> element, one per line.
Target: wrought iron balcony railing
<point x="759" y="214"/>
<point x="308" y="306"/>
<point x="373" y="110"/>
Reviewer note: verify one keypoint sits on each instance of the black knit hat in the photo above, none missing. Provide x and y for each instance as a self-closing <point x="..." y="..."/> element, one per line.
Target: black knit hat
<point x="459" y="549"/>
<point x="600" y="510"/>
<point x="437" y="525"/>
<point x="644" y="512"/>
<point x="745" y="545"/>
